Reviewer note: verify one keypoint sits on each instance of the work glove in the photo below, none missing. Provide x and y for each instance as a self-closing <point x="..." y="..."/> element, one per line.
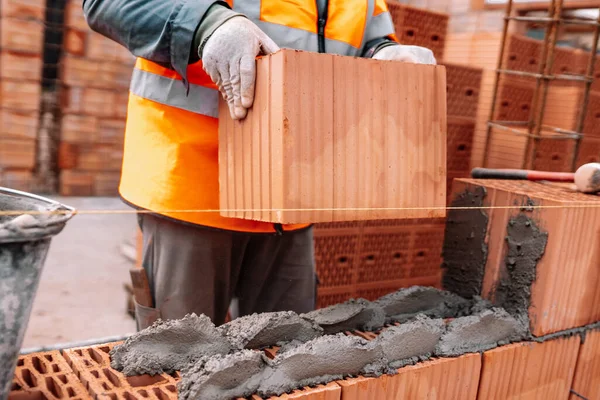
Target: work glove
<point x="228" y="57"/>
<point x="406" y="53"/>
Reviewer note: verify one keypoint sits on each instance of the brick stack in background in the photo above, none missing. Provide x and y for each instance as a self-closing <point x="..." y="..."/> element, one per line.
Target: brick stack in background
<point x="95" y="75"/>
<point x="419" y="27"/>
<point x="21" y="48"/>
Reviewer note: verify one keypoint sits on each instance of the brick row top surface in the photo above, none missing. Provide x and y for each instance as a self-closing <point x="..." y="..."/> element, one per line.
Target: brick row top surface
<point x="557" y="192"/>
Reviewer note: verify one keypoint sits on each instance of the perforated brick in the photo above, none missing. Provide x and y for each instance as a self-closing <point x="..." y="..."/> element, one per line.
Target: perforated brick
<point x="463" y="86"/>
<point x="335" y="257"/>
<point x="327" y="297"/>
<point x="513" y="102"/>
<point x="45" y="376"/>
<point x="522" y="54"/>
<point x="92" y="366"/>
<point x="420" y="27"/>
<point x="459" y="144"/>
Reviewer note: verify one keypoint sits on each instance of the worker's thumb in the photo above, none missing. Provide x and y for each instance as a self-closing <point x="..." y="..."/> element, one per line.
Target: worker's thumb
<point x="267" y="45"/>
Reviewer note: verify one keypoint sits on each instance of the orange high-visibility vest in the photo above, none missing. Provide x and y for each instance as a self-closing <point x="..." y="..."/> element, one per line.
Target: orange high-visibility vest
<point x="170" y="162"/>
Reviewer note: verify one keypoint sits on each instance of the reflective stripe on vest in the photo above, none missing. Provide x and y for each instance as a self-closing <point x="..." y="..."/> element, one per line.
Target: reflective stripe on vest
<point x="168" y="91"/>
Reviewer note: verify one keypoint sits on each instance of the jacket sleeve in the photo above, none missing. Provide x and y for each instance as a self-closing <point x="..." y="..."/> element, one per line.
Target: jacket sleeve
<point x="158" y="30"/>
<point x="380" y="31"/>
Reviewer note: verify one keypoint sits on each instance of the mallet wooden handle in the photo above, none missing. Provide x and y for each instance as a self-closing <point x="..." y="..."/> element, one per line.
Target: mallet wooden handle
<point x="522" y="174"/>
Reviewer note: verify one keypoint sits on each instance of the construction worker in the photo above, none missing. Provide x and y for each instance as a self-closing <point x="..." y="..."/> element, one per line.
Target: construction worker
<point x="187" y="52"/>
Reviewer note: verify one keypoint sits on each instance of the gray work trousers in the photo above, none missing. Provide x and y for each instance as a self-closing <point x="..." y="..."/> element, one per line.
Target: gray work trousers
<point x="197" y="269"/>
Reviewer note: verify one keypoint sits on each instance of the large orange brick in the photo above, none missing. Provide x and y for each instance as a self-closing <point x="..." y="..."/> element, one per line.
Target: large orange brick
<point x="586" y="383"/>
<point x="29" y="9"/>
<point x="499" y="251"/>
<point x="439" y="379"/>
<point x="529" y="370"/>
<point x="312" y="149"/>
<point x="21" y="35"/>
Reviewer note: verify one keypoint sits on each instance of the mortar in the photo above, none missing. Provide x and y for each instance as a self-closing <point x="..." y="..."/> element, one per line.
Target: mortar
<point x="24" y="243"/>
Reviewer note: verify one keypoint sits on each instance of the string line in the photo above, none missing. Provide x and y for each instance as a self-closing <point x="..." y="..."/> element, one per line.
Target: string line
<point x="251" y="210"/>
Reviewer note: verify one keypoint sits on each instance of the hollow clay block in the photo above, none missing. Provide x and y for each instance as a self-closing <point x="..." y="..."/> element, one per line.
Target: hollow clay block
<point x="169" y="346"/>
<point x="321" y="360"/>
<point x="407" y="303"/>
<point x="269" y="329"/>
<point x="223" y="377"/>
<point x="480" y="332"/>
<point x="411" y="341"/>
<point x="358" y="314"/>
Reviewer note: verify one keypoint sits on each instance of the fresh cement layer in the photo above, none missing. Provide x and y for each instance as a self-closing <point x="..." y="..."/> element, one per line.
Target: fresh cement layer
<point x="465" y="250"/>
<point x="223" y="377"/>
<point x="267" y="329"/>
<point x="407" y="303"/>
<point x="407" y="343"/>
<point x="169" y="346"/>
<point x="526" y="244"/>
<point x="359" y="314"/>
<point x="479" y="333"/>
<point x="322" y="360"/>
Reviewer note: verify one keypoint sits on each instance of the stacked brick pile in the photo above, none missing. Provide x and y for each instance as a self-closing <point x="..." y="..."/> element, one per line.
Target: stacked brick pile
<point x="21" y="48"/>
<point x="95" y="74"/>
<point x="515" y="100"/>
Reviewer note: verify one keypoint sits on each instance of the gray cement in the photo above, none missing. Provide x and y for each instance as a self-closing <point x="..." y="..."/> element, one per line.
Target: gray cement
<point x="479" y="333"/>
<point x="223" y="377"/>
<point x="169" y="346"/>
<point x="407" y="303"/>
<point x="465" y="250"/>
<point x="526" y="244"/>
<point x="320" y="361"/>
<point x="267" y="329"/>
<point x="411" y="341"/>
<point x="358" y="314"/>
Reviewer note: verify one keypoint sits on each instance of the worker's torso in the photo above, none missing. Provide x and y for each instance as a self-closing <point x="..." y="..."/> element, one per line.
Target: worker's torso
<point x="171" y="144"/>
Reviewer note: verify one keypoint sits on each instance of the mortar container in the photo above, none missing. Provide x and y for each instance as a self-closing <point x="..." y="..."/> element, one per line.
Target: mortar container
<point x="24" y="243"/>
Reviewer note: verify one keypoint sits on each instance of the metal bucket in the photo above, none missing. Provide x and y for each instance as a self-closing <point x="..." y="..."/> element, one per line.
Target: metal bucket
<point x="24" y="243"/>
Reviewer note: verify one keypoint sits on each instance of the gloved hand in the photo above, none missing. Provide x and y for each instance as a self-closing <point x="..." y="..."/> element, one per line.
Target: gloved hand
<point x="229" y="57"/>
<point x="406" y="53"/>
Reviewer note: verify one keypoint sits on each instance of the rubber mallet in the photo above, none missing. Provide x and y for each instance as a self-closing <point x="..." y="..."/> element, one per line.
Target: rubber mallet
<point x="586" y="178"/>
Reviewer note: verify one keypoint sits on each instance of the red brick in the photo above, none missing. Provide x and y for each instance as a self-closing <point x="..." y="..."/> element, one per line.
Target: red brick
<point x="79" y="129"/>
<point x="47" y="376"/>
<point x="444" y="378"/>
<point x="74" y="17"/>
<point x="76" y="183"/>
<point x="586" y="382"/>
<point x="463" y="83"/>
<point x="529" y="370"/>
<point x="20" y="35"/>
<point x="19" y="95"/>
<point x="566" y="290"/>
<point x="25" y="67"/>
<point x="17" y="153"/>
<point x="24" y="9"/>
<point x="18" y="124"/>
<point x="75" y="41"/>
<point x="352" y="164"/>
<point x="18" y="179"/>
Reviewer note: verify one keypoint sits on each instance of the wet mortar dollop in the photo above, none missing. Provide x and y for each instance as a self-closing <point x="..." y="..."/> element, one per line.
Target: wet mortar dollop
<point x="267" y="329"/>
<point x="432" y="302"/>
<point x="359" y="314"/>
<point x="526" y="244"/>
<point x="169" y="346"/>
<point x="465" y="250"/>
<point x="479" y="332"/>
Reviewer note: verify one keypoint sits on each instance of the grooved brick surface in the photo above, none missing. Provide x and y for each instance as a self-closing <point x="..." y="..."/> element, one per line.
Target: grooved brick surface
<point x="46" y="376"/>
<point x="586" y="382"/>
<point x="529" y="370"/>
<point x="351" y="166"/>
<point x="566" y="291"/>
<point x="440" y="379"/>
<point x="459" y="145"/>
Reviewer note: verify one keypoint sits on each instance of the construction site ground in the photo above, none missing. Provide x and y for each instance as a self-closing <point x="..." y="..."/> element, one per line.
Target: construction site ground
<point x="81" y="294"/>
